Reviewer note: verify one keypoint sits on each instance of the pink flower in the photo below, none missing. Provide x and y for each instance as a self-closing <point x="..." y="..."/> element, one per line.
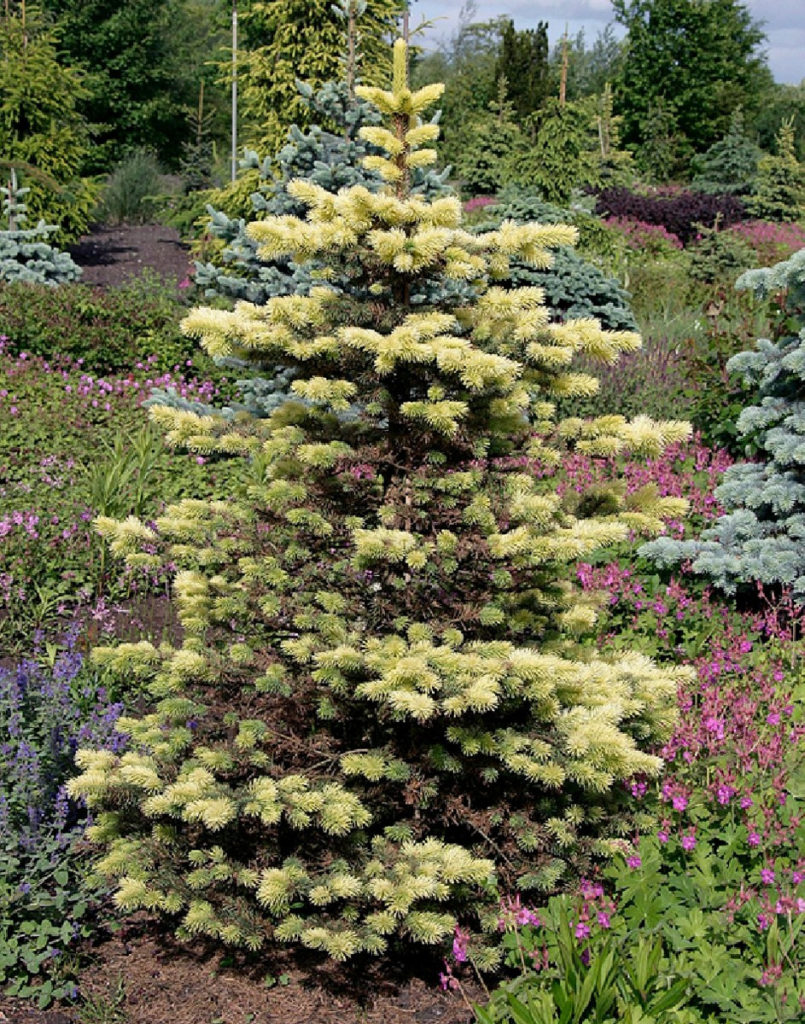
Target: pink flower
<point x="767" y="876"/>
<point x="688" y="842"/>
<point x="461" y="938"/>
<point x="754" y="839"/>
<point x="582" y="930"/>
<point x="634" y="861"/>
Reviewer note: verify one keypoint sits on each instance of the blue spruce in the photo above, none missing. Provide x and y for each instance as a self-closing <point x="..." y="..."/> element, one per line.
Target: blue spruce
<point x="25" y="253"/>
<point x="761" y="536"/>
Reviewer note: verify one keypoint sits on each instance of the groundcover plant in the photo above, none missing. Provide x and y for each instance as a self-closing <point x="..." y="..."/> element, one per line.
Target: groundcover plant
<point x="381" y="659"/>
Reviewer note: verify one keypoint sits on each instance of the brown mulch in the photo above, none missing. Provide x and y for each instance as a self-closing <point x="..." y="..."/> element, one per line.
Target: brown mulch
<point x="112" y="255"/>
<point x="140" y="975"/>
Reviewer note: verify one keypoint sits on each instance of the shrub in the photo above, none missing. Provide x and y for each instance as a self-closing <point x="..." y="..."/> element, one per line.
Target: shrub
<point x="109" y="330"/>
<point x="380" y="699"/>
<point x="779" y="192"/>
<point x="680" y="213"/>
<point x="729" y="166"/>
<point x="759" y="538"/>
<point x="42" y="134"/>
<point x="719" y="254"/>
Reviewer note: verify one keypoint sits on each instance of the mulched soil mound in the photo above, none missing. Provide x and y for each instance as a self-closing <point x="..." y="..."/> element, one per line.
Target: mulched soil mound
<point x="112" y="255"/>
<point x="140" y="975"/>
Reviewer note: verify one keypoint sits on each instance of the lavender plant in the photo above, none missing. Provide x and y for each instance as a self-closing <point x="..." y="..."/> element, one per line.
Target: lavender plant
<point x="50" y="703"/>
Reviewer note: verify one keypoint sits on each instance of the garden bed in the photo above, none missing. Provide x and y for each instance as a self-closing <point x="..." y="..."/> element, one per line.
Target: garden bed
<point x="110" y="256"/>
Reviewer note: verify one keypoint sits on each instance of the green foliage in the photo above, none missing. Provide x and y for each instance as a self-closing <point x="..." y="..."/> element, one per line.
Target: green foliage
<point x="615" y="164"/>
<point x="488" y="160"/>
<point x="523" y="63"/>
<point x="43" y="135"/>
<point x="130" y="193"/>
<point x="663" y="152"/>
<point x="109" y="330"/>
<point x="697" y="61"/>
<point x="142" y="61"/>
<point x="729" y="165"/>
<point x="198" y="152"/>
<point x="469" y="68"/>
<point x="780" y="186"/>
<point x="719" y="256"/>
<point x="588" y="68"/>
<point x="621" y="977"/>
<point x="380" y="655"/>
<point x="563" y="157"/>
<point x="781" y="103"/>
<point x="573" y="287"/>
<point x="292" y="40"/>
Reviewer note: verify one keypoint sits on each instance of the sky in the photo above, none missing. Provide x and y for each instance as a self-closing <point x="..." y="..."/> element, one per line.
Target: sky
<point x="784" y="24"/>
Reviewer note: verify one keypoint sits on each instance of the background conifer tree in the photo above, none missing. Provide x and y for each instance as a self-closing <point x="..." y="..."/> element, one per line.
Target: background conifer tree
<point x="380" y="700"/>
<point x="729" y="166"/>
<point x="760" y="536"/>
<point x="43" y="135"/>
<point x="564" y="154"/>
<point x="780" y="185"/>
<point x="292" y="40"/>
<point x="25" y="252"/>
<point x="523" y="62"/>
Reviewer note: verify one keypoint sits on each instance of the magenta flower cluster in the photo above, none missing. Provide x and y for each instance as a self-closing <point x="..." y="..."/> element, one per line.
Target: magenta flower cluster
<point x="644" y="237"/>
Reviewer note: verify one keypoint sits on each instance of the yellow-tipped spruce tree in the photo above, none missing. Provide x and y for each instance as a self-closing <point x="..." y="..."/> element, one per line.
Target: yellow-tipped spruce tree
<point x="380" y="707"/>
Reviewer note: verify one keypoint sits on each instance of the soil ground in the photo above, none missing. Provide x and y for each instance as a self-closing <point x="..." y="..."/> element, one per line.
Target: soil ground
<point x="111" y="255"/>
<point x="140" y="975"/>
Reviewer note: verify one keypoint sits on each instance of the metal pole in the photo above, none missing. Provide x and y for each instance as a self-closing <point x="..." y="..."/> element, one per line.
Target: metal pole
<point x="234" y="89"/>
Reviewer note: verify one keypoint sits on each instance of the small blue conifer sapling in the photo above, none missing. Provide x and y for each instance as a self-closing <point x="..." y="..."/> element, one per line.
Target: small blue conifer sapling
<point x="25" y="254"/>
<point x="760" y="538"/>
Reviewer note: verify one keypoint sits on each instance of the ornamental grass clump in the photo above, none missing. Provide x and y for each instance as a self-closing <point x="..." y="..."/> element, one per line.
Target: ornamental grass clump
<point x="380" y="703"/>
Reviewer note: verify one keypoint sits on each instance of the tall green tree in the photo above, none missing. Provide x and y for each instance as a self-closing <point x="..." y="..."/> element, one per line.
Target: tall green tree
<point x="588" y="68"/>
<point x="699" y="59"/>
<point x="290" y="40"/>
<point x="523" y="61"/>
<point x="781" y="103"/>
<point x="468" y="65"/>
<point x="43" y="135"/>
<point x="565" y="155"/>
<point x="142" y="62"/>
